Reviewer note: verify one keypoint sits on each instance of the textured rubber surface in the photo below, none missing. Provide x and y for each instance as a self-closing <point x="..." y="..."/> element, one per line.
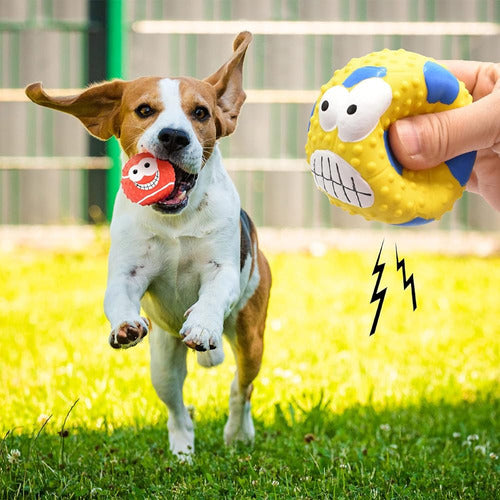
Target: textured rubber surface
<point x="419" y="85"/>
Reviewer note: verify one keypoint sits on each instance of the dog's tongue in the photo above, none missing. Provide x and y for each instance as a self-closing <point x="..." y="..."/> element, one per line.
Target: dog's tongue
<point x="147" y="180"/>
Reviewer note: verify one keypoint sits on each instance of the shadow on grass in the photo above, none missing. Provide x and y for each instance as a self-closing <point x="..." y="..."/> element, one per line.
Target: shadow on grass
<point x="430" y="450"/>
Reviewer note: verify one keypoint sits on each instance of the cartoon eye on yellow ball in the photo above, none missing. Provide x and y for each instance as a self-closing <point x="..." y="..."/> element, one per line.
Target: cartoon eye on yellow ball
<point x="348" y="148"/>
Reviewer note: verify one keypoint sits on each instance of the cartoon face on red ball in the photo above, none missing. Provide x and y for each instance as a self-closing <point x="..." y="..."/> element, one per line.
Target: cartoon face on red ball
<point x="147" y="180"/>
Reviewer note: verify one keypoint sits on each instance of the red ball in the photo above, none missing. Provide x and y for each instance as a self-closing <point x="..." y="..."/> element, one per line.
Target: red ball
<point x="147" y="180"/>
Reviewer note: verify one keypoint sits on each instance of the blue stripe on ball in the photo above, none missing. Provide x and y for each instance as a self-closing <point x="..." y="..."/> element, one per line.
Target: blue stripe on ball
<point x="461" y="166"/>
<point x="360" y="74"/>
<point x="417" y="221"/>
<point x="312" y="113"/>
<point x="392" y="159"/>
<point x="442" y="86"/>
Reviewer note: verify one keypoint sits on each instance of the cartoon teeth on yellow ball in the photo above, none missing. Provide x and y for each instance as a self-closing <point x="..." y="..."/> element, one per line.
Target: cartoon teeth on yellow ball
<point x="348" y="148"/>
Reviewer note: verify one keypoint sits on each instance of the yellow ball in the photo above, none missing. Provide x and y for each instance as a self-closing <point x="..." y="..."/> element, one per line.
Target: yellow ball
<point x="348" y="149"/>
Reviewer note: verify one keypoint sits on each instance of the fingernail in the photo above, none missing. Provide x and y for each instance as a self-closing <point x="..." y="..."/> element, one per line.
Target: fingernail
<point x="408" y="136"/>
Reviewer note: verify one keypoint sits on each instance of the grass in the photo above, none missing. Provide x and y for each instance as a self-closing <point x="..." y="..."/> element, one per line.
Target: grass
<point x="411" y="412"/>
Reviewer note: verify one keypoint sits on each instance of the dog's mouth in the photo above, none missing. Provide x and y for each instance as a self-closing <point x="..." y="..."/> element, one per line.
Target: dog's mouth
<point x="179" y="197"/>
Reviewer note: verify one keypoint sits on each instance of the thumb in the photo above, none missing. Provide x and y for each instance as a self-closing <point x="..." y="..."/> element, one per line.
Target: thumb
<point x="424" y="141"/>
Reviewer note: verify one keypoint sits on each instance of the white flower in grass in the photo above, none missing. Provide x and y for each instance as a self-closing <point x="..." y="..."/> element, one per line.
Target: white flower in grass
<point x="466" y="443"/>
<point x="287" y="375"/>
<point x="493" y="456"/>
<point x="276" y="324"/>
<point x="481" y="449"/>
<point x="473" y="437"/>
<point x="14" y="456"/>
<point x="456" y="435"/>
<point x="317" y="249"/>
<point x="42" y="418"/>
<point x="343" y="466"/>
<point x="385" y="427"/>
<point x="275" y="483"/>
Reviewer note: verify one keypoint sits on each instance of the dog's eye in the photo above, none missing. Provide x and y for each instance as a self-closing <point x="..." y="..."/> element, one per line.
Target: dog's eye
<point x="144" y="110"/>
<point x="201" y="113"/>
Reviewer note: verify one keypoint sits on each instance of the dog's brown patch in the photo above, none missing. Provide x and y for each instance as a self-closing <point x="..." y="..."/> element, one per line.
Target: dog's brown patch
<point x="143" y="90"/>
<point x="248" y="235"/>
<point x="250" y="326"/>
<point x="199" y="94"/>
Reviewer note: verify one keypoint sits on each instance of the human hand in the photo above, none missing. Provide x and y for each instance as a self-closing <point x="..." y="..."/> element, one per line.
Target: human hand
<point x="424" y="141"/>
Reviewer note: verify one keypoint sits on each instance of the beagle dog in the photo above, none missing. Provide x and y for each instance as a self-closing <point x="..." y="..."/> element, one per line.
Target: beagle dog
<point x="191" y="260"/>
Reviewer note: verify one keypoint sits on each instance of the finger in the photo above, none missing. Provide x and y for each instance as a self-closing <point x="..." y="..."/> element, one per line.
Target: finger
<point x="486" y="170"/>
<point x="465" y="71"/>
<point x="485" y="178"/>
<point x="424" y="141"/>
<point x="480" y="78"/>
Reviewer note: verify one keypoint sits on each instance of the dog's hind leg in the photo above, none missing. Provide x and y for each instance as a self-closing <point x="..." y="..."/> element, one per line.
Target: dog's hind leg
<point x="168" y="372"/>
<point x="248" y="346"/>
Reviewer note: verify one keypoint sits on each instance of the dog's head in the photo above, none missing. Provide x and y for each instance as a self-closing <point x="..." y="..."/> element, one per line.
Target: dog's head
<point x="174" y="119"/>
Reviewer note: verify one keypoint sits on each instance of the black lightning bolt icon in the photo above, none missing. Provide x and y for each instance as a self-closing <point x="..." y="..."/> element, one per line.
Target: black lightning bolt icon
<point x="406" y="282"/>
<point x="378" y="294"/>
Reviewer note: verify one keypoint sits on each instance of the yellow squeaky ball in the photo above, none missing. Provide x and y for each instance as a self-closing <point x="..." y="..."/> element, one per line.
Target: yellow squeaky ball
<point x="348" y="147"/>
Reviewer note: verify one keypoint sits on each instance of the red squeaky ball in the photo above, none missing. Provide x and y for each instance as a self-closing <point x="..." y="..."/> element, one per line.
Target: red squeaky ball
<point x="147" y="180"/>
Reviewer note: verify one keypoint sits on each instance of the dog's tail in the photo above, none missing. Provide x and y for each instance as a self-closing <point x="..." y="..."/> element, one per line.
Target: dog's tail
<point x="211" y="358"/>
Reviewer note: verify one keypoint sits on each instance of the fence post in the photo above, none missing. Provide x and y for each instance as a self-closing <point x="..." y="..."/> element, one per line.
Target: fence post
<point x="95" y="61"/>
<point x="116" y="38"/>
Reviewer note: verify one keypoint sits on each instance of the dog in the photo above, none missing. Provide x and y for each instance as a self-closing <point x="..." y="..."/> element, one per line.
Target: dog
<point x="191" y="261"/>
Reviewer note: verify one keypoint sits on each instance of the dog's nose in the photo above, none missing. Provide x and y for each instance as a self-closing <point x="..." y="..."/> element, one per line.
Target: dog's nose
<point x="173" y="139"/>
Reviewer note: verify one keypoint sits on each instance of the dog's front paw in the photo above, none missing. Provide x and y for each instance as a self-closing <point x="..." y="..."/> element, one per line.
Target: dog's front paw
<point x="129" y="333"/>
<point x="201" y="335"/>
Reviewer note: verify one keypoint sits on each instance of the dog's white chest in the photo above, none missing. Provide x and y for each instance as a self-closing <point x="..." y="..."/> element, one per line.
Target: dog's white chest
<point x="177" y="283"/>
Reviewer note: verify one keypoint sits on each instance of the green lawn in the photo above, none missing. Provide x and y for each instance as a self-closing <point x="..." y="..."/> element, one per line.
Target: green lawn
<point x="411" y="412"/>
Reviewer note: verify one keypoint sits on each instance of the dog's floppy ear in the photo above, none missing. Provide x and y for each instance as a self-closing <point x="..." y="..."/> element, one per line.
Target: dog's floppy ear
<point x="227" y="81"/>
<point x="97" y="107"/>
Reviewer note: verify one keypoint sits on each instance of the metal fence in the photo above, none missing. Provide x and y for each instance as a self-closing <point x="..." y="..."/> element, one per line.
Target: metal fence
<point x="51" y="173"/>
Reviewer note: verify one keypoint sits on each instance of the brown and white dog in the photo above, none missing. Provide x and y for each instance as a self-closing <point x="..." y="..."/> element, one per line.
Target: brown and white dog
<point x="191" y="261"/>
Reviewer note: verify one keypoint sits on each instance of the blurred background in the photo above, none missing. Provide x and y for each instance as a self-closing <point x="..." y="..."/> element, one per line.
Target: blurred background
<point x="52" y="172"/>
